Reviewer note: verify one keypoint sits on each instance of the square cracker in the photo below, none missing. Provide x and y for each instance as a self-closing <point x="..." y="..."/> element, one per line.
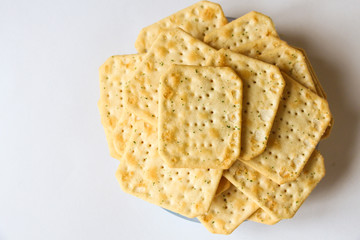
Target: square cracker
<point x="228" y="211"/>
<point x="250" y="27"/>
<point x="275" y="51"/>
<point x="280" y="201"/>
<point x="300" y="122"/>
<point x="320" y="91"/>
<point x="197" y="20"/>
<point x="260" y="216"/>
<point x="171" y="47"/>
<point x="263" y="87"/>
<point x="143" y="174"/>
<point x="116" y="120"/>
<point x="200" y="116"/>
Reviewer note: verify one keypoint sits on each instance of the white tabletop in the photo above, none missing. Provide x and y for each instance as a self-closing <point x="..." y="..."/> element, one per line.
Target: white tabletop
<point x="56" y="176"/>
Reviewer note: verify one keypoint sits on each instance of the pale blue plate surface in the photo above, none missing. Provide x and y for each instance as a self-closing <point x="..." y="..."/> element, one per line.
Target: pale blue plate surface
<point x="181" y="216"/>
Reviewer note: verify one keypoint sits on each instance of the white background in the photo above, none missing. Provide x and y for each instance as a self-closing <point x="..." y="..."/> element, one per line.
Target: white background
<point x="56" y="176"/>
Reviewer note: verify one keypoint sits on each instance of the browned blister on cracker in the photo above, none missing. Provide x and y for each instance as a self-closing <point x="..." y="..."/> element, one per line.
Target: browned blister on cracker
<point x="197" y="20"/>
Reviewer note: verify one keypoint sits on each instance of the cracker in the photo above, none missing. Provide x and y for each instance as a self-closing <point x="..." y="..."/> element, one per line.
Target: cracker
<point x="248" y="28"/>
<point x="224" y="185"/>
<point x="115" y="119"/>
<point x="143" y="174"/>
<point x="300" y="122"/>
<point x="122" y="131"/>
<point x="263" y="87"/>
<point x="228" y="211"/>
<point x="200" y="116"/>
<point x="260" y="216"/>
<point x="110" y="140"/>
<point x="275" y="51"/>
<point x="320" y="91"/>
<point x="171" y="47"/>
<point x="197" y="20"/>
<point x="280" y="201"/>
<point x="270" y="49"/>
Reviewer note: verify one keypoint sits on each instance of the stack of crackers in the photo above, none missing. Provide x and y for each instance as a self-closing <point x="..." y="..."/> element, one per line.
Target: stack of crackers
<point x="215" y="120"/>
